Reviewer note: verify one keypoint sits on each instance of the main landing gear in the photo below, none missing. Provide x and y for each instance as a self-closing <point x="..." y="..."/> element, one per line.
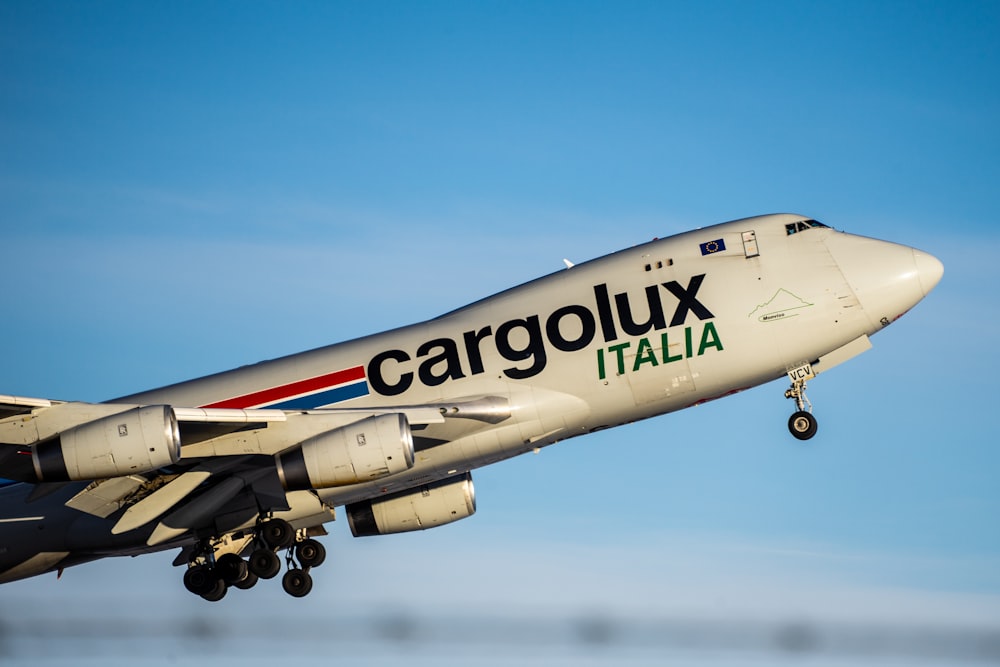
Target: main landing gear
<point x="210" y="576"/>
<point x="801" y="424"/>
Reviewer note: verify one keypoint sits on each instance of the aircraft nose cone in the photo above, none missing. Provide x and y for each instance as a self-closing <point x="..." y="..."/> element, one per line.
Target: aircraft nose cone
<point x="929" y="270"/>
<point x="887" y="278"/>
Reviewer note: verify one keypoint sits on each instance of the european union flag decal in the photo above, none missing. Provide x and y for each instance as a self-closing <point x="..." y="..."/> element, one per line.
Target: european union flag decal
<point x="712" y="247"/>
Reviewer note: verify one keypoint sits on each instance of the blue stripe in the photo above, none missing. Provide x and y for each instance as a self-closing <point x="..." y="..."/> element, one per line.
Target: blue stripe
<point x="335" y="395"/>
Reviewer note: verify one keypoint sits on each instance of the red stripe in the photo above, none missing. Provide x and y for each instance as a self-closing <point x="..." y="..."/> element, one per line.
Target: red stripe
<point x="292" y="389"/>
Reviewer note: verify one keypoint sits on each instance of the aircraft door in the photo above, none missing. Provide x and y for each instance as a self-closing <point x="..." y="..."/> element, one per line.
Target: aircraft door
<point x="656" y="374"/>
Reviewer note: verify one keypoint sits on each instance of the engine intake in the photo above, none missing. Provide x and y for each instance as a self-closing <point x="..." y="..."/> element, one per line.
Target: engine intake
<point x="365" y="450"/>
<point x="135" y="441"/>
<point x="421" y="508"/>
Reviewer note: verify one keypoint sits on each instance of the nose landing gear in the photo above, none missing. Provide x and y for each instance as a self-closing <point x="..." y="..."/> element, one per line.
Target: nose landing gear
<point x="801" y="424"/>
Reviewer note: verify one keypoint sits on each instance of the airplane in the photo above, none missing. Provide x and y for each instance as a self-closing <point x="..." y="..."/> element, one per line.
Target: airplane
<point x="235" y="468"/>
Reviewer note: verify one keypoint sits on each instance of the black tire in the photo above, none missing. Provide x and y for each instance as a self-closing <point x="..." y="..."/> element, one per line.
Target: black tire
<point x="297" y="583"/>
<point x="277" y="533"/>
<point x="246" y="582"/>
<point x="231" y="568"/>
<point x="265" y="564"/>
<point x="199" y="579"/>
<point x="217" y="592"/>
<point x="802" y="425"/>
<point x="310" y="553"/>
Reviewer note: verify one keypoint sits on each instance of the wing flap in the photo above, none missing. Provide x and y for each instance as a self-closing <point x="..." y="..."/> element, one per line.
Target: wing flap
<point x="228" y="415"/>
<point x="201" y="424"/>
<point x="105" y="497"/>
<point x="160" y="501"/>
<point x="11" y="406"/>
<point x="171" y="494"/>
<point x="295" y="427"/>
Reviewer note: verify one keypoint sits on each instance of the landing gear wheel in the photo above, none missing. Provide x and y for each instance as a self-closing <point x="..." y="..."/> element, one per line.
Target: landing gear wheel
<point x="277" y="533"/>
<point x="231" y="568"/>
<point x="216" y="592"/>
<point x="802" y="425"/>
<point x="265" y="564"/>
<point x="297" y="583"/>
<point x="199" y="579"/>
<point x="310" y="553"/>
<point x="246" y="582"/>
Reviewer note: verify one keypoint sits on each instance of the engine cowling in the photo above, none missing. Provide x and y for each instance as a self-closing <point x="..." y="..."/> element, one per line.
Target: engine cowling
<point x="134" y="441"/>
<point x="365" y="450"/>
<point x="421" y="508"/>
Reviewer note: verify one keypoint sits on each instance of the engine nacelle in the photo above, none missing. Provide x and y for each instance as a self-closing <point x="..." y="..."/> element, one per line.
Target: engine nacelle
<point x="135" y="441"/>
<point x="414" y="509"/>
<point x="359" y="452"/>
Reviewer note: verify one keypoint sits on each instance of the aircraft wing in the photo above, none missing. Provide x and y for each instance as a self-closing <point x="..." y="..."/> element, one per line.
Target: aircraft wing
<point x="180" y="466"/>
<point x="11" y="406"/>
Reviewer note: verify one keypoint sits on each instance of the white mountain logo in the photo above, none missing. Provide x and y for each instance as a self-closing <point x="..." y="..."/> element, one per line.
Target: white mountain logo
<point x="779" y="306"/>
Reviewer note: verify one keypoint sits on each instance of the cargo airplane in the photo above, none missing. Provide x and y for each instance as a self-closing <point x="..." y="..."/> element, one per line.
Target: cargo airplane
<point x="236" y="468"/>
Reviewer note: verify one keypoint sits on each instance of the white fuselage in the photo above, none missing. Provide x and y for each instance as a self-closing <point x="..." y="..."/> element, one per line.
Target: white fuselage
<point x="644" y="331"/>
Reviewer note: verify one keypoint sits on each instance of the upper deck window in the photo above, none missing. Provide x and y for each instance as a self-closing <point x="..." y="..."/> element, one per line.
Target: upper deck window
<point x="805" y="225"/>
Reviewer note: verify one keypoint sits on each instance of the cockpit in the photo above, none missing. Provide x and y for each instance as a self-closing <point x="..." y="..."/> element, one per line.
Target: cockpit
<point x="803" y="226"/>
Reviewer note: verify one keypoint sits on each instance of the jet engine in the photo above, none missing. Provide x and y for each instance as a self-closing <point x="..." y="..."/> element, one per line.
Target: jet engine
<point x="359" y="452"/>
<point x="135" y="441"/>
<point x="424" y="507"/>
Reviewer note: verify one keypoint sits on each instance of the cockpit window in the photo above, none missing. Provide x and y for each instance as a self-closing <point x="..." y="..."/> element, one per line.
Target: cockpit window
<point x="803" y="226"/>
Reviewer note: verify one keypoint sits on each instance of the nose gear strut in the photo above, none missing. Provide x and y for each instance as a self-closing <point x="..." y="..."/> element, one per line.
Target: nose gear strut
<point x="801" y="424"/>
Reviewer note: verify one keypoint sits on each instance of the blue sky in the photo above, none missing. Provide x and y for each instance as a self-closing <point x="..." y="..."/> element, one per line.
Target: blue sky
<point x="186" y="187"/>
